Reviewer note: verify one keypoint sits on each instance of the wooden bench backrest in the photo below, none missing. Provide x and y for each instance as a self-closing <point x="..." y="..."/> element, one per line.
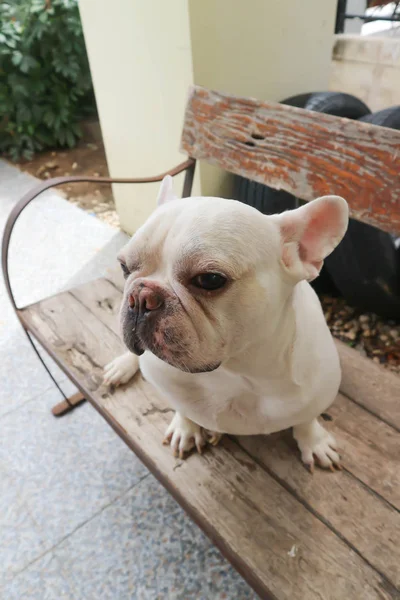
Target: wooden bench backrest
<point x="306" y="153"/>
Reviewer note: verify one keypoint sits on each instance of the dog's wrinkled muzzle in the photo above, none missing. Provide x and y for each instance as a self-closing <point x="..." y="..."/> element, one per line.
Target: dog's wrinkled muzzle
<point x="142" y="303"/>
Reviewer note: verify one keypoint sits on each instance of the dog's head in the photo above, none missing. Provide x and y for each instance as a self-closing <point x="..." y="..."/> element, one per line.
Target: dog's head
<point x="206" y="277"/>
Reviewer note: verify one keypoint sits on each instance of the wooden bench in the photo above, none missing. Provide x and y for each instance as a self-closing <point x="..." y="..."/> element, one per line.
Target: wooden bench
<point x="290" y="535"/>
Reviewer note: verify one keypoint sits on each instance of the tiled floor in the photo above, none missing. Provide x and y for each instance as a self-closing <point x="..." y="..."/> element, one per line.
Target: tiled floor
<point x="80" y="517"/>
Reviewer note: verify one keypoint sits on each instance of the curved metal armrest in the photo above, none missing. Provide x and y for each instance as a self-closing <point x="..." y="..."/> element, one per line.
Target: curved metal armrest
<point x="188" y="165"/>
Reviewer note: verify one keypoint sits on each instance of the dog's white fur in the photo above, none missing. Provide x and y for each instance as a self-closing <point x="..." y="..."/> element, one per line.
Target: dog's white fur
<point x="279" y="367"/>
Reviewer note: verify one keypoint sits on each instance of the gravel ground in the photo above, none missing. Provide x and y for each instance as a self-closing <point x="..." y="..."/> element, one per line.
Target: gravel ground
<point x="371" y="335"/>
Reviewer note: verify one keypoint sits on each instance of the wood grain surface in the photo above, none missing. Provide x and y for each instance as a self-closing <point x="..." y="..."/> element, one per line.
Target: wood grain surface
<point x="290" y="534"/>
<point x="370" y="525"/>
<point x="370" y="385"/>
<point x="306" y="153"/>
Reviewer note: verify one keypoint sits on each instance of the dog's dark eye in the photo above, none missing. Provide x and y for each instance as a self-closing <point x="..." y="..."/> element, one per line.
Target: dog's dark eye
<point x="209" y="281"/>
<point x="125" y="270"/>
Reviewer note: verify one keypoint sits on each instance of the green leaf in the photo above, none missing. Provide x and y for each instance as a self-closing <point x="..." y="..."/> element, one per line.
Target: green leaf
<point x="70" y="139"/>
<point x="16" y="58"/>
<point x="45" y="83"/>
<point x="28" y="63"/>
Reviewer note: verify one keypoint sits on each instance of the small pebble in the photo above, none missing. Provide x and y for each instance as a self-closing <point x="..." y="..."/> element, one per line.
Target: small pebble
<point x="74" y="165"/>
<point x="51" y="164"/>
<point x="363" y="318"/>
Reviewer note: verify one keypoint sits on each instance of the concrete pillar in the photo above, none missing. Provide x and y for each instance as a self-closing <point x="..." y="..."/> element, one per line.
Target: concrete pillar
<point x="145" y="54"/>
<point x="140" y="58"/>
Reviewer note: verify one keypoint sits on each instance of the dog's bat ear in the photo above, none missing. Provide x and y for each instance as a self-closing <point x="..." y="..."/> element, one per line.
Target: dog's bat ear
<point x="166" y="192"/>
<point x="310" y="233"/>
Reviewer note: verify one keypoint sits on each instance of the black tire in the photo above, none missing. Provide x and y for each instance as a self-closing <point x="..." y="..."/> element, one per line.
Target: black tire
<point x="265" y="199"/>
<point x="298" y="101"/>
<point x="389" y="117"/>
<point x="366" y="265"/>
<point x="330" y="103"/>
<point x="337" y="104"/>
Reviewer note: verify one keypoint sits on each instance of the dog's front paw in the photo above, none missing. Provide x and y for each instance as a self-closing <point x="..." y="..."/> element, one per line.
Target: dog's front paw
<point x="183" y="435"/>
<point x="317" y="445"/>
<point x="121" y="369"/>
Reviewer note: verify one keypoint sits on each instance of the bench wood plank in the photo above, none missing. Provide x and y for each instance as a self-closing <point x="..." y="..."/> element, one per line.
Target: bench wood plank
<point x="371" y="448"/>
<point x="370" y="385"/>
<point x="371" y="451"/>
<point x="362" y="518"/>
<point x="306" y="153"/>
<point x="241" y="504"/>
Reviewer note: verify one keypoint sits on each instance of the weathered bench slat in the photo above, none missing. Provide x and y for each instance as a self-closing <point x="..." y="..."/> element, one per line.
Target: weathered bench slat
<point x="253" y="519"/>
<point x="103" y="299"/>
<point x="371" y="448"/>
<point x="305" y="153"/>
<point x="339" y="499"/>
<point x="371" y="452"/>
<point x="370" y="385"/>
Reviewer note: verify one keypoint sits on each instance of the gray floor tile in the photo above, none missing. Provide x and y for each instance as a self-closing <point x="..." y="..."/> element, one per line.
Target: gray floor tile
<point x="145" y="547"/>
<point x="22" y="376"/>
<point x="60" y="240"/>
<point x="66" y="469"/>
<point x="42" y="580"/>
<point x="54" y="242"/>
<point x="20" y="538"/>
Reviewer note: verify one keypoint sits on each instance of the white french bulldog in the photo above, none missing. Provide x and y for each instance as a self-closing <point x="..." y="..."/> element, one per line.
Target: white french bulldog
<point x="218" y="306"/>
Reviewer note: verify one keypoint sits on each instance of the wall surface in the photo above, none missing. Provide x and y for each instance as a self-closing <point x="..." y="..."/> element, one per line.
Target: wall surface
<point x="369" y="68"/>
<point x="268" y="49"/>
<point x="141" y="64"/>
<point x="144" y="55"/>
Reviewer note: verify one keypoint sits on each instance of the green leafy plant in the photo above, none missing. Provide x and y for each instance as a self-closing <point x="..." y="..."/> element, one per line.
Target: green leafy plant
<point x="45" y="83"/>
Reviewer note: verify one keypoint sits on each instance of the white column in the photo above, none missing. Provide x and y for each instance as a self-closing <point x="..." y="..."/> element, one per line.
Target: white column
<point x="140" y="59"/>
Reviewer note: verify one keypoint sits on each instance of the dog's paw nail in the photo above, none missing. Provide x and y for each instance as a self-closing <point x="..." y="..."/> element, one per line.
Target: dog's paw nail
<point x="309" y="467"/>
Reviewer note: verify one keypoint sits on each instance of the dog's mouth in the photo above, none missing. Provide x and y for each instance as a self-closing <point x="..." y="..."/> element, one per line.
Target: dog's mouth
<point x="134" y="343"/>
<point x="138" y="346"/>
